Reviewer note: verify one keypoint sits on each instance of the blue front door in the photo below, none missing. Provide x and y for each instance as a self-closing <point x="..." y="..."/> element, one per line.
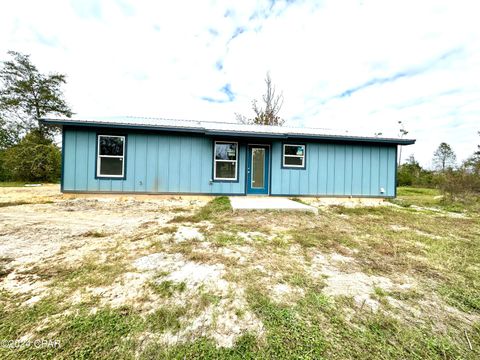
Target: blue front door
<point x="258" y="169"/>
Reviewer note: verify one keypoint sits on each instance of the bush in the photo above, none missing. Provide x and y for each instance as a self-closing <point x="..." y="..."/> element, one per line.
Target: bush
<point x="34" y="158"/>
<point x="412" y="174"/>
<point x="5" y="174"/>
<point x="459" y="185"/>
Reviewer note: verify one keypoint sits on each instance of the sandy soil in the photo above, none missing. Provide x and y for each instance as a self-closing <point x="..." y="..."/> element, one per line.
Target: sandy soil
<point x="36" y="232"/>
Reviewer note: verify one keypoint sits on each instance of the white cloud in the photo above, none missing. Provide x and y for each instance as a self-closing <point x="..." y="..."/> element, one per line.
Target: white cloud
<point x="164" y="58"/>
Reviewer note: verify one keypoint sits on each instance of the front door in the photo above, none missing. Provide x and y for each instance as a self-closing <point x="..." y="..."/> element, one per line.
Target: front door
<point x="258" y="168"/>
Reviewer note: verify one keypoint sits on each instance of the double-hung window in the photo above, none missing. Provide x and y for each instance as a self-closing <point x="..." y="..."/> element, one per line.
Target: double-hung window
<point x="225" y="161"/>
<point x="293" y="156"/>
<point x="111" y="156"/>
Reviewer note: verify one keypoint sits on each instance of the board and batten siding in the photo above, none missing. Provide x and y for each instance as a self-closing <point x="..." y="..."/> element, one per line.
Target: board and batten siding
<point x="165" y="163"/>
<point x="337" y="170"/>
<point x="154" y="163"/>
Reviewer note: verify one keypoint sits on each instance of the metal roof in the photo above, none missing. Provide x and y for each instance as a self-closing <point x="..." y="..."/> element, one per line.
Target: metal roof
<point x="224" y="129"/>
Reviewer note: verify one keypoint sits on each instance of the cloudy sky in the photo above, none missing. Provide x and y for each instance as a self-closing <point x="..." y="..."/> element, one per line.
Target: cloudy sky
<point x="358" y="65"/>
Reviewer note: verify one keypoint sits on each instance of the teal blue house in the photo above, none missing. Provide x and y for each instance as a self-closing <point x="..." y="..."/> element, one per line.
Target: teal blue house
<point x="162" y="156"/>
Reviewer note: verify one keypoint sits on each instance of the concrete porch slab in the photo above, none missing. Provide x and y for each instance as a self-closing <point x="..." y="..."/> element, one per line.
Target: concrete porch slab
<point x="268" y="203"/>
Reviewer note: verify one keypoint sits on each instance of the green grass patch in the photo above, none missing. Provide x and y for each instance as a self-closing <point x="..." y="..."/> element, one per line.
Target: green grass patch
<point x="462" y="296"/>
<point x="246" y="347"/>
<point x="288" y="334"/>
<point x="167" y="288"/>
<point x="12" y="183"/>
<point x="213" y="210"/>
<point x="206" y="299"/>
<point x="322" y="236"/>
<point x="166" y="318"/>
<point x="224" y="239"/>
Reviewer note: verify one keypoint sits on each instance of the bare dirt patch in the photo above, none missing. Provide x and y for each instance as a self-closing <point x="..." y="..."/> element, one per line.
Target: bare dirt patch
<point x="53" y="230"/>
<point x="223" y="320"/>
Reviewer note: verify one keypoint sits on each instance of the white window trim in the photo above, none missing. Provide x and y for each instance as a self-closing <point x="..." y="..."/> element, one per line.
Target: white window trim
<point x="110" y="156"/>
<point x="293" y="156"/>
<point x="230" y="161"/>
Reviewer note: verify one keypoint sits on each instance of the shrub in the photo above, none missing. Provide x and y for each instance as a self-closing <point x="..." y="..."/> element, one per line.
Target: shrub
<point x="34" y="158"/>
<point x="459" y="185"/>
<point x="412" y="174"/>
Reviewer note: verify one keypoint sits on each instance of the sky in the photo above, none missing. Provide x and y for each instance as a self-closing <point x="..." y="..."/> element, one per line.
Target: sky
<point x="360" y="65"/>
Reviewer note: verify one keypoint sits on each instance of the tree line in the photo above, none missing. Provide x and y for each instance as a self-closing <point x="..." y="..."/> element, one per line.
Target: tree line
<point x="27" y="148"/>
<point x="456" y="181"/>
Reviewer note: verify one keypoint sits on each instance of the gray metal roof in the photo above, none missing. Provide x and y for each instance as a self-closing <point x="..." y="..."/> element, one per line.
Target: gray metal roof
<point x="224" y="129"/>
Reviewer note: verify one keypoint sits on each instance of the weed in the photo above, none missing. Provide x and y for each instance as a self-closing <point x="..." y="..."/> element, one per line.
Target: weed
<point x="167" y="288"/>
<point x="379" y="292"/>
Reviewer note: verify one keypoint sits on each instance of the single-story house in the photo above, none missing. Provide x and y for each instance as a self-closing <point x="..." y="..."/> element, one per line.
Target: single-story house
<point x="163" y="156"/>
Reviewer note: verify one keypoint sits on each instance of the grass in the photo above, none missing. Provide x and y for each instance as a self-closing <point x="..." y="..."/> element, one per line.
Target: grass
<point x="166" y="318"/>
<point x="211" y="211"/>
<point x="12" y="184"/>
<point x="438" y="250"/>
<point x="81" y="335"/>
<point x="409" y="196"/>
<point x="167" y="288"/>
<point x="317" y="328"/>
<point x="223" y="239"/>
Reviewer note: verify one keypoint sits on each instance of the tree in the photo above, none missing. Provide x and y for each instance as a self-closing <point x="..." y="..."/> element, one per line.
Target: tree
<point x="26" y="95"/>
<point x="472" y="164"/>
<point x="444" y="157"/>
<point x="34" y="158"/>
<point x="267" y="114"/>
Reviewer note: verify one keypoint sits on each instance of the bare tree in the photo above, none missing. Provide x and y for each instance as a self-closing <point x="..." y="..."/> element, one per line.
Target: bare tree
<point x="268" y="113"/>
<point x="403" y="132"/>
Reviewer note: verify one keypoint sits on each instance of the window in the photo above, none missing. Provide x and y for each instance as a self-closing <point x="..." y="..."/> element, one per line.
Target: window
<point x="225" y="161"/>
<point x="293" y="156"/>
<point x="110" y="156"/>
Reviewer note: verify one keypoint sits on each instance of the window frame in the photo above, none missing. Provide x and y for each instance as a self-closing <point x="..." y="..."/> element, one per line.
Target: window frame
<point x="218" y="179"/>
<point x="303" y="157"/>
<point x="98" y="175"/>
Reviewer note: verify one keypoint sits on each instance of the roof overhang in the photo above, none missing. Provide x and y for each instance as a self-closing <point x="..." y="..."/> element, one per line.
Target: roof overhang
<point x="222" y="133"/>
